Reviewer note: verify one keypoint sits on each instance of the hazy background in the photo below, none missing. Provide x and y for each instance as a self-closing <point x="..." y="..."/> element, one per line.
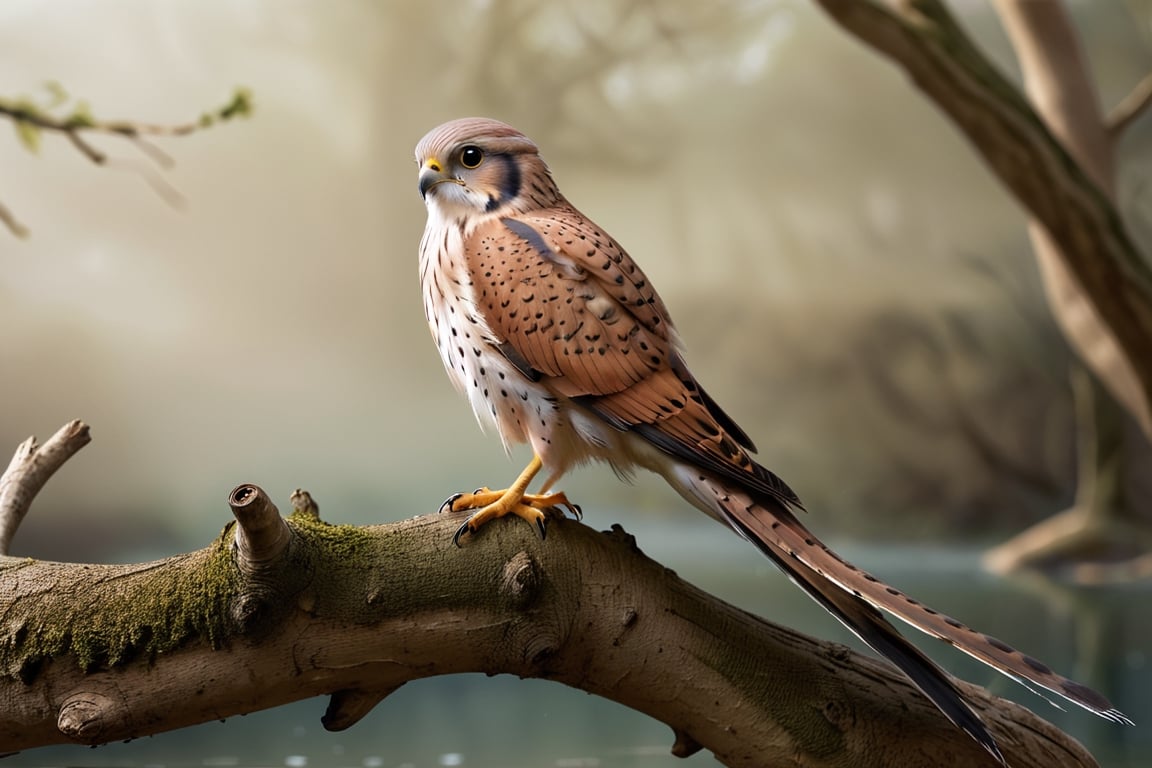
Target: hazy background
<point x="851" y="283"/>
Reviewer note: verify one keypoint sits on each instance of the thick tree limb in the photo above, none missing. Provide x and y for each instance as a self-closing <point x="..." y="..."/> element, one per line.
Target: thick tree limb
<point x="278" y="610"/>
<point x="116" y="652"/>
<point x="922" y="37"/>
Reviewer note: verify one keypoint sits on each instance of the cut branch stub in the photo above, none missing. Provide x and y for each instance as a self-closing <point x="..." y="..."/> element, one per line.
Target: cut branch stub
<point x="273" y="570"/>
<point x="86" y="715"/>
<point x="348" y="706"/>
<point x="685" y="745"/>
<point x="261" y="534"/>
<point x="304" y="504"/>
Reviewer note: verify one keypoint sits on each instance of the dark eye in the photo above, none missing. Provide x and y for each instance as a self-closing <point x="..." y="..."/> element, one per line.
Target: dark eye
<point x="470" y="157"/>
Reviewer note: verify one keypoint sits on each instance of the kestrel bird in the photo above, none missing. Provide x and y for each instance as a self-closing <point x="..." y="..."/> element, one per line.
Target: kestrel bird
<point x="560" y="341"/>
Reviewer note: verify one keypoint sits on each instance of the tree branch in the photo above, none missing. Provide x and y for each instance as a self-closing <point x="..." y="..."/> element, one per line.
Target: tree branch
<point x="31" y="120"/>
<point x="97" y="653"/>
<point x="30" y="468"/>
<point x="80" y="122"/>
<point x="1059" y="84"/>
<point x="12" y="223"/>
<point x="1130" y="107"/>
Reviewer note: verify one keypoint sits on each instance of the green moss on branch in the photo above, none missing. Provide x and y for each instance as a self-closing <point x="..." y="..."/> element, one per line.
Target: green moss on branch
<point x="108" y="615"/>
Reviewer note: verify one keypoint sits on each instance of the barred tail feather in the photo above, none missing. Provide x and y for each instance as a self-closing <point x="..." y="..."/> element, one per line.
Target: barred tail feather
<point x="870" y="626"/>
<point x="856" y="598"/>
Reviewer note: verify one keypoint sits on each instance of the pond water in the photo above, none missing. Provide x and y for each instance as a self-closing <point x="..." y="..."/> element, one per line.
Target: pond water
<point x="1099" y="636"/>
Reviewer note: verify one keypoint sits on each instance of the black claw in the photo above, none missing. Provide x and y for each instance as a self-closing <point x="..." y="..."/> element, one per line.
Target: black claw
<point x="465" y="528"/>
<point x="478" y="491"/>
<point x="542" y="526"/>
<point x="573" y="509"/>
<point x="448" y="502"/>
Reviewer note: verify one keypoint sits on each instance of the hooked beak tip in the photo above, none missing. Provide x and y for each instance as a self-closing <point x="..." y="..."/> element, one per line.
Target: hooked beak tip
<point x="430" y="178"/>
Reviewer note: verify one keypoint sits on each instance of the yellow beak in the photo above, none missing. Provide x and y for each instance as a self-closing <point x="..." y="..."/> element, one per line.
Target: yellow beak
<point x="431" y="174"/>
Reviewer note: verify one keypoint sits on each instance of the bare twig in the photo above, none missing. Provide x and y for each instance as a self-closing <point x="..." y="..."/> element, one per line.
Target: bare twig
<point x="85" y="148"/>
<point x="30" y="468"/>
<point x="1130" y="107"/>
<point x="150" y="176"/>
<point x="79" y="122"/>
<point x="153" y="152"/>
<point x="10" y="221"/>
<point x="32" y="120"/>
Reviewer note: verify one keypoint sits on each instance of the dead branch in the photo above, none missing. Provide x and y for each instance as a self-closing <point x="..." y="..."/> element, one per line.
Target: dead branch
<point x="97" y="653"/>
<point x="30" y="468"/>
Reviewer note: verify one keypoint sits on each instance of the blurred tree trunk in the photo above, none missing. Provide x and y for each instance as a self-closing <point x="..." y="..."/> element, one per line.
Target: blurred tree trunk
<point x="1060" y="165"/>
<point x="1105" y="521"/>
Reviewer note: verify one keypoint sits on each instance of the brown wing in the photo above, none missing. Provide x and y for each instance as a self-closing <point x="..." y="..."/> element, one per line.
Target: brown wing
<point x="567" y="304"/>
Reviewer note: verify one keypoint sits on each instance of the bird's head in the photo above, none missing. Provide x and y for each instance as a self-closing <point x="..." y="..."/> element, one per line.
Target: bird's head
<point x="479" y="166"/>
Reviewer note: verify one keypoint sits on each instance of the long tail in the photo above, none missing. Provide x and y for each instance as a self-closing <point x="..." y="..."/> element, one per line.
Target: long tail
<point x="853" y="596"/>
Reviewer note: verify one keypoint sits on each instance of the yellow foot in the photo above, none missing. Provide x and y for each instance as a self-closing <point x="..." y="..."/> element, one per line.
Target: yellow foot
<point x="492" y="504"/>
<point x="489" y="505"/>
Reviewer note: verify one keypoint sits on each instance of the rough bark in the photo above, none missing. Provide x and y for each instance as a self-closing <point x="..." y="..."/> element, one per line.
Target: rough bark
<point x="277" y="610"/>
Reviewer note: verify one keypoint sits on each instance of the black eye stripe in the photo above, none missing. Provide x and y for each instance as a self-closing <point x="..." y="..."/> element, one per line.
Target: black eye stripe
<point x="510" y="184"/>
<point x="510" y="181"/>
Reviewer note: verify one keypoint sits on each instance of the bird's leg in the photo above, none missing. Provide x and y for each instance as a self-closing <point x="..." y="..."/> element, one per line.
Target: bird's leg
<point x="514" y="500"/>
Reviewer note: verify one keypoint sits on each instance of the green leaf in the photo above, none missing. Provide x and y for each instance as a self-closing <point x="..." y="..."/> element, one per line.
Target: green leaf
<point x="81" y="116"/>
<point x="29" y="135"/>
<point x="240" y="106"/>
<point x="56" y="94"/>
